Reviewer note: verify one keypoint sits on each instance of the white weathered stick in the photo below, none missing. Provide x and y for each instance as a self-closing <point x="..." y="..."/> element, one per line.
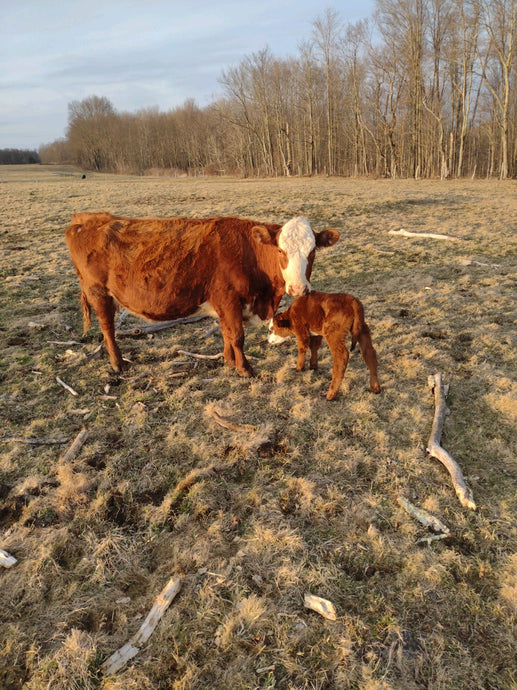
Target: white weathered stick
<point x="423" y="516"/>
<point x="198" y="356"/>
<point x="120" y="658"/>
<point x="434" y="448"/>
<point x="66" y="386"/>
<point x="76" y="446"/>
<point x="432" y="235"/>
<point x="322" y="606"/>
<point x="6" y="559"/>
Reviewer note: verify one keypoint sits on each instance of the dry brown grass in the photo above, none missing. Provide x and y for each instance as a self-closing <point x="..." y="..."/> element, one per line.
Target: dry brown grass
<point x="307" y="502"/>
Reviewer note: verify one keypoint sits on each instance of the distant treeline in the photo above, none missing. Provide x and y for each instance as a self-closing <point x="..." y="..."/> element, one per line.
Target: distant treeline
<point x="425" y="88"/>
<point x="17" y="156"/>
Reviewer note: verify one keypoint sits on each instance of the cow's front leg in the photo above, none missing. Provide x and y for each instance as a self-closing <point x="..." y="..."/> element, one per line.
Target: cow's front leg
<point x="104" y="306"/>
<point x="233" y="336"/>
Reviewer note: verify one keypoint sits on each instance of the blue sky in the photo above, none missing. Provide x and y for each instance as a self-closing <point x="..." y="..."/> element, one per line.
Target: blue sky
<point x="137" y="53"/>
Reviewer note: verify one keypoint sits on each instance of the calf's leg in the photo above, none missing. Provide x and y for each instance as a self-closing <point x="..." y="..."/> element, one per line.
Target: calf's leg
<point x="303" y="340"/>
<point x="370" y="357"/>
<point x="315" y="343"/>
<point x="339" y="351"/>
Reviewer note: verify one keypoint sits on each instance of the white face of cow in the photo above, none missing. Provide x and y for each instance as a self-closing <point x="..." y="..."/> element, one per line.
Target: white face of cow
<point x="296" y="239"/>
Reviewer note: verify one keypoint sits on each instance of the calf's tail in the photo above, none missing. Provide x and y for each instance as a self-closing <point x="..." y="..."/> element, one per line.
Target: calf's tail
<point x="87" y="312"/>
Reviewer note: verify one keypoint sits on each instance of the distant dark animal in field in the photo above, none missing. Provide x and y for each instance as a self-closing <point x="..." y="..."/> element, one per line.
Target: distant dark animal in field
<point x="83" y="177"/>
<point x="331" y="316"/>
<point x="166" y="268"/>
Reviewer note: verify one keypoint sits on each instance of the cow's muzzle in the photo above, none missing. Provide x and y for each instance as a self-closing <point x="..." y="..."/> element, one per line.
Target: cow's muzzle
<point x="298" y="290"/>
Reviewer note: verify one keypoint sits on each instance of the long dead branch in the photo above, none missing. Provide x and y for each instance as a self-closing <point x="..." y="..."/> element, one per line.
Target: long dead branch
<point x="120" y="658"/>
<point x="153" y="327"/>
<point x="434" y="448"/>
<point x="431" y="235"/>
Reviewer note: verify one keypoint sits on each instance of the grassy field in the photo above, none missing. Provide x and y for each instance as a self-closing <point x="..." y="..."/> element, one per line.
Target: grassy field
<point x="302" y="500"/>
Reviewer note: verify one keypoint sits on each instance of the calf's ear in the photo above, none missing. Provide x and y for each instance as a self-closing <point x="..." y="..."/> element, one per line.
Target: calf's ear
<point x="326" y="238"/>
<point x="261" y="235"/>
<point x="282" y="321"/>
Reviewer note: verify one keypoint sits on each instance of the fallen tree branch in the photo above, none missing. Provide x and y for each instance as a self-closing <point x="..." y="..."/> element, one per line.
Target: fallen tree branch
<point x="120" y="658"/>
<point x="432" y="235"/>
<point x="6" y="559"/>
<point x="153" y="327"/>
<point x="76" y="446"/>
<point x="424" y="517"/>
<point x="434" y="448"/>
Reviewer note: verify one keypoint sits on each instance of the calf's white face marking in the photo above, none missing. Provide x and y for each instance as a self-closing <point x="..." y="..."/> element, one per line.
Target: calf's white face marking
<point x="297" y="240"/>
<point x="273" y="338"/>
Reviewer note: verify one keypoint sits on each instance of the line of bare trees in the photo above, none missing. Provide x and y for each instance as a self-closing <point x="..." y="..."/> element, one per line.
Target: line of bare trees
<point x="426" y="88"/>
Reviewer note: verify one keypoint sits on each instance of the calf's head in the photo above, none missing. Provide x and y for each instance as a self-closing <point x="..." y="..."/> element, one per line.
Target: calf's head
<point x="279" y="328"/>
<point x="297" y="244"/>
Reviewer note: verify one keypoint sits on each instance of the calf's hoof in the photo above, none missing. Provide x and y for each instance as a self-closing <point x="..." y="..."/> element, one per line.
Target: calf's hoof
<point x="375" y="387"/>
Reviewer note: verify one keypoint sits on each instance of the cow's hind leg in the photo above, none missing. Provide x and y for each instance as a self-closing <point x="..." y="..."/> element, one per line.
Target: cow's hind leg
<point x="103" y="305"/>
<point x="370" y="357"/>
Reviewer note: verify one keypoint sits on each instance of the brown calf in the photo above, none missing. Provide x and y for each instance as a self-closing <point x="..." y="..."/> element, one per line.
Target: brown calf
<point x="331" y="316"/>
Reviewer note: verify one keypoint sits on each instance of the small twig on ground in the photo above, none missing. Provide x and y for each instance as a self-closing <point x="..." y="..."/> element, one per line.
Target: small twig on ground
<point x="434" y="448"/>
<point x="120" y="658"/>
<point x="424" y="517"/>
<point x="228" y="424"/>
<point x="6" y="559"/>
<point x="75" y="447"/>
<point x="66" y="386"/>
<point x="432" y="235"/>
<point x="34" y="441"/>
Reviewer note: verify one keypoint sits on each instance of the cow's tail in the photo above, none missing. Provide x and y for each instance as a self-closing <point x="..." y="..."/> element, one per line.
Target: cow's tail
<point x="358" y="324"/>
<point x="87" y="312"/>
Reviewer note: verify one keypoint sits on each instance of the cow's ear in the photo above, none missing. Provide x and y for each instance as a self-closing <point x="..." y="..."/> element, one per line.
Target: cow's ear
<point x="326" y="238"/>
<point x="261" y="235"/>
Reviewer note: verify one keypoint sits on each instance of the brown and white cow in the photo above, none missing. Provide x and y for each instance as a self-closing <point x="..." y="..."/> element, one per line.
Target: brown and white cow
<point x="166" y="268"/>
<point x="331" y="316"/>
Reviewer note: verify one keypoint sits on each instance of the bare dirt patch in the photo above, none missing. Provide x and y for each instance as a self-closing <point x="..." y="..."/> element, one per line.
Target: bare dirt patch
<point x="304" y="499"/>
